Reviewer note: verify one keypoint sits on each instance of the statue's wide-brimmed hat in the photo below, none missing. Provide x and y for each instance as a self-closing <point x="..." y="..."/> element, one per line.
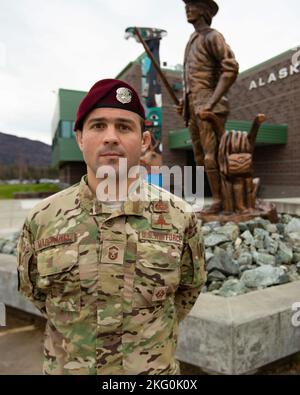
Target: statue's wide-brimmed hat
<point x="213" y="6"/>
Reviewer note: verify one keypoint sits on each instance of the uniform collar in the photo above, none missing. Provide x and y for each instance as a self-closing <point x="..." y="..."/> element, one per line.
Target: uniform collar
<point x="132" y="206"/>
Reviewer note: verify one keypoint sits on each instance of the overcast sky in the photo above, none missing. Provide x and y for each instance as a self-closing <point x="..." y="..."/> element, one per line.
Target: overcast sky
<point x="50" y="44"/>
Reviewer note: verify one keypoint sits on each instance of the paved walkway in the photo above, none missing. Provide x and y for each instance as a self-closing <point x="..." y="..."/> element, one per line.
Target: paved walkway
<point x="21" y="344"/>
<point x="21" y="349"/>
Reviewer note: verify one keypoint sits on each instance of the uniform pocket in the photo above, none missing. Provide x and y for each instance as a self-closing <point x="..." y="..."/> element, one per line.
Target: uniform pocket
<point x="58" y="270"/>
<point x="157" y="273"/>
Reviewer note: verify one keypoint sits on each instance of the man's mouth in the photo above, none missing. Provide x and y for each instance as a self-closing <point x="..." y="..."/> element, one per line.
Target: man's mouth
<point x="112" y="154"/>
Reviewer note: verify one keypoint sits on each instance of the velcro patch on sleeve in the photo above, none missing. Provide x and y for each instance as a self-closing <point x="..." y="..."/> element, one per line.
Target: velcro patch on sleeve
<point x="159" y="294"/>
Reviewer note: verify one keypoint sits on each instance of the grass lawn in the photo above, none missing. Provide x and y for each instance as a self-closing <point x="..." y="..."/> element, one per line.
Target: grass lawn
<point x="7" y="191"/>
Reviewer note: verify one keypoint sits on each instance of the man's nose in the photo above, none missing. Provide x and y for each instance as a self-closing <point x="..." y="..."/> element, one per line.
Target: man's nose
<point x="111" y="136"/>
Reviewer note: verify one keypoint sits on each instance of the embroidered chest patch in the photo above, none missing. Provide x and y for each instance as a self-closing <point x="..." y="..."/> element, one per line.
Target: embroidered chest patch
<point x="160" y="236"/>
<point x="65" y="238"/>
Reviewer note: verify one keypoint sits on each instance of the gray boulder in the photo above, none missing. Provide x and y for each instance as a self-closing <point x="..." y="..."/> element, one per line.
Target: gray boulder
<point x="208" y="256"/>
<point x="214" y="286"/>
<point x="293" y="226"/>
<point x="245" y="259"/>
<point x="13" y="236"/>
<point x="260" y="234"/>
<point x="247" y="267"/>
<point x="296" y="257"/>
<point x="280" y="228"/>
<point x="264" y="276"/>
<point x="271" y="228"/>
<point x="229" y="266"/>
<point x="205" y="230"/>
<point x="270" y="245"/>
<point x="263" y="259"/>
<point x="230" y="230"/>
<point x="213" y="225"/>
<point x="9" y="248"/>
<point x="232" y="288"/>
<point x="285" y="253"/>
<point x="285" y="218"/>
<point x="2" y="243"/>
<point x="261" y="223"/>
<point x="223" y="263"/>
<point x="249" y="239"/>
<point x="243" y="227"/>
<point x="215" y="275"/>
<point x="294" y="239"/>
<point x="214" y="264"/>
<point x="215" y="239"/>
<point x="293" y="273"/>
<point x="251" y="225"/>
<point x="276" y="236"/>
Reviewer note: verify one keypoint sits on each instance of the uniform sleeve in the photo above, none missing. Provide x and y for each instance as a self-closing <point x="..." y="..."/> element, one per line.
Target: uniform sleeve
<point x="27" y="270"/>
<point x="221" y="51"/>
<point x="193" y="274"/>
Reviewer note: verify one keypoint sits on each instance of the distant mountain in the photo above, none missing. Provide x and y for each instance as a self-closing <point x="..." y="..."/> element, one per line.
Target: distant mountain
<point x="17" y="150"/>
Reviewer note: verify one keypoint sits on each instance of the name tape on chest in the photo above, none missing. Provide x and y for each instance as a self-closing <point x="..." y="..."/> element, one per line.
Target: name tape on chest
<point x="51" y="241"/>
<point x="160" y="236"/>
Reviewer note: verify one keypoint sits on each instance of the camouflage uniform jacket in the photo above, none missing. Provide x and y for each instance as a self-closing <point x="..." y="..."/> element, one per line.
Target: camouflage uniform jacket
<point x="113" y="286"/>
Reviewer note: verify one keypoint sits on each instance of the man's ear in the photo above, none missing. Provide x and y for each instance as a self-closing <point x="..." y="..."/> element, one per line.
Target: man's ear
<point x="78" y="136"/>
<point x="146" y="141"/>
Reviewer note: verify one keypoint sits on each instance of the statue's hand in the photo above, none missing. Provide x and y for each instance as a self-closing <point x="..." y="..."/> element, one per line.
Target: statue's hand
<point x="208" y="107"/>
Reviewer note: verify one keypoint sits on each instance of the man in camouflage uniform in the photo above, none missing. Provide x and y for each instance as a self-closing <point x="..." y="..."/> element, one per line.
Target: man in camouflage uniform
<point x="113" y="279"/>
<point x="210" y="69"/>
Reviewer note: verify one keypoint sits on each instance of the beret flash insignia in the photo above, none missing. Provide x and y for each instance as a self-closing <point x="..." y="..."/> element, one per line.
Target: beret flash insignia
<point x="124" y="95"/>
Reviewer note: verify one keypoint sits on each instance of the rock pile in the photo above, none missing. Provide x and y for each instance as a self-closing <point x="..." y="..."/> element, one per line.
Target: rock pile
<point x="8" y="244"/>
<point x="252" y="255"/>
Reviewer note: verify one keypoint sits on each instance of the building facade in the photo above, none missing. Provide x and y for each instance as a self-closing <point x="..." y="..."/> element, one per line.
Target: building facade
<point x="272" y="88"/>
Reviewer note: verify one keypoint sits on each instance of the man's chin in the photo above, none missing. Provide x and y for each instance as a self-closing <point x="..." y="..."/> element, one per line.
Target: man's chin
<point x="110" y="161"/>
<point x="191" y="19"/>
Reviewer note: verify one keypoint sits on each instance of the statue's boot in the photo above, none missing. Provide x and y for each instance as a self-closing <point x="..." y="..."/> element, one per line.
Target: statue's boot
<point x="215" y="187"/>
<point x="239" y="198"/>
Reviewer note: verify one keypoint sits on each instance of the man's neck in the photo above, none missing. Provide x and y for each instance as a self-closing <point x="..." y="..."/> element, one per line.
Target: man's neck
<point x="200" y="25"/>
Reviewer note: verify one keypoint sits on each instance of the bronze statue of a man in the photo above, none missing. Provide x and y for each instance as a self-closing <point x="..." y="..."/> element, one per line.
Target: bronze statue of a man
<point x="210" y="68"/>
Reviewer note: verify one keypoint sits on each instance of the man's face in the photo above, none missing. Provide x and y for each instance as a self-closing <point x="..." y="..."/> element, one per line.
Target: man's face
<point x="110" y="134"/>
<point x="194" y="11"/>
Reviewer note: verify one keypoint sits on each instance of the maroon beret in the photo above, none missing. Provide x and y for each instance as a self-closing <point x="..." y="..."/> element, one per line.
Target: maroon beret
<point x="109" y="93"/>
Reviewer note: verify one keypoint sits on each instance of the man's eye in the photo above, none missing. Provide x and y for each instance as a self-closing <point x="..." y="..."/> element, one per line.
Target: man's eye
<point x="98" y="126"/>
<point x="124" y="128"/>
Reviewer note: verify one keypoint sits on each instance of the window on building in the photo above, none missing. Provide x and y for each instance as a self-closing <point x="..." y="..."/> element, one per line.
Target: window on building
<point x="73" y="124"/>
<point x="66" y="129"/>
